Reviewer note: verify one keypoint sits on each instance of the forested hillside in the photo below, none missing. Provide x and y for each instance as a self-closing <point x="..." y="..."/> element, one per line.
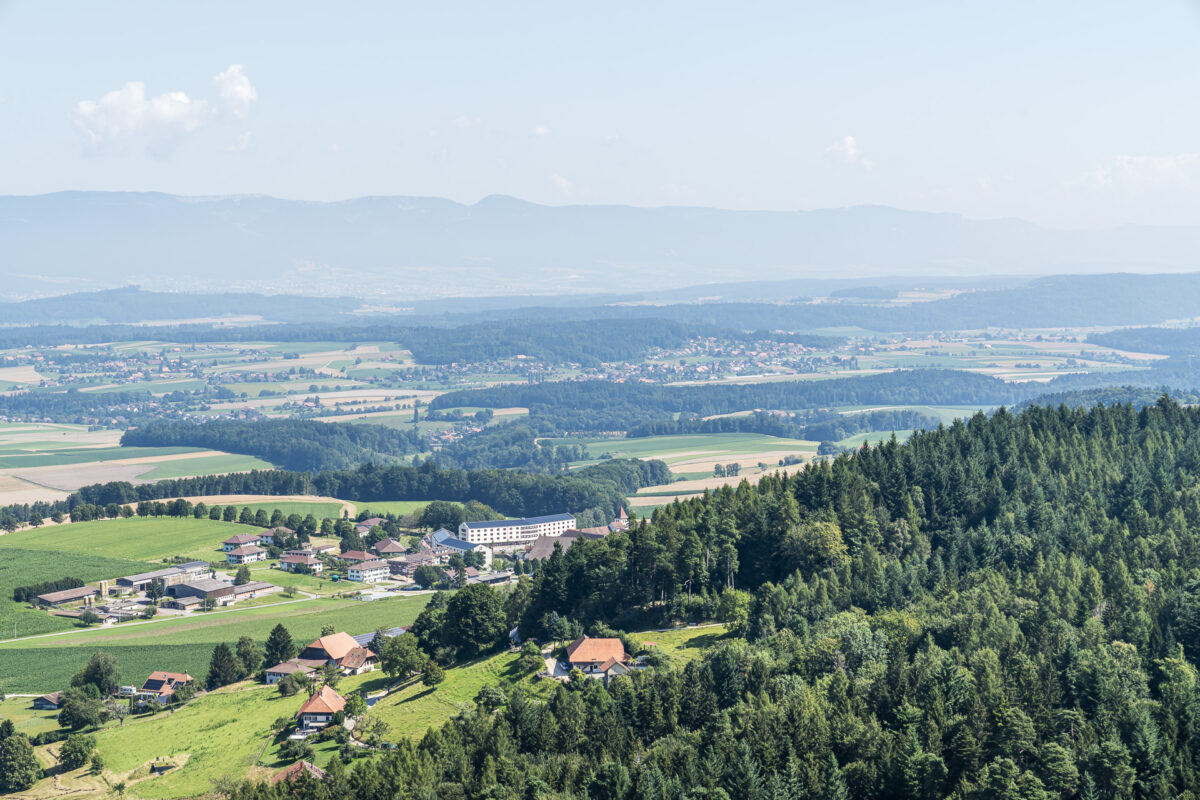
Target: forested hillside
<point x="599" y="405"/>
<point x="818" y="426"/>
<point x="301" y="445"/>
<point x="1004" y="608"/>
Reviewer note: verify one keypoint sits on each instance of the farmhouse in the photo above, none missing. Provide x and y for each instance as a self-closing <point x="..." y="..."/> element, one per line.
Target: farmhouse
<point x="56" y="599"/>
<point x="515" y="532"/>
<point x="388" y="548"/>
<point x="368" y="571"/>
<point x="595" y="656"/>
<point x="302" y="666"/>
<point x="273" y="536"/>
<point x="245" y="554"/>
<point x="543" y="546"/>
<point x="48" y="702"/>
<point x="161" y="686"/>
<point x="318" y="710"/>
<point x="295" y="562"/>
<point x="341" y="650"/>
<point x="238" y="540"/>
<point x="296" y="770"/>
<point x="356" y="555"/>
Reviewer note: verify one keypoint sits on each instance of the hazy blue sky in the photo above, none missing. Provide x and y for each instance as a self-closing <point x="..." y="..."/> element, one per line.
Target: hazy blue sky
<point x="1077" y="114"/>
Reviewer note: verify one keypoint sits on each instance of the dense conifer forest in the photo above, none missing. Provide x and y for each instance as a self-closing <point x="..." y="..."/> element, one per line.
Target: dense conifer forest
<point x="1008" y="607"/>
<point x="301" y="445"/>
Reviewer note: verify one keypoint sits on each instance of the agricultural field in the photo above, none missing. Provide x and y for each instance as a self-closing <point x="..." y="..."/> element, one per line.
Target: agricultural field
<point x="400" y="508"/>
<point x="693" y="456"/>
<point x="184" y="644"/>
<point x="135" y="538"/>
<point x="44" y="461"/>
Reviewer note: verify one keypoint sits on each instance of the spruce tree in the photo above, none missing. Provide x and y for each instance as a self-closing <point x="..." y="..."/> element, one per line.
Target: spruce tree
<point x="280" y="647"/>
<point x="224" y="668"/>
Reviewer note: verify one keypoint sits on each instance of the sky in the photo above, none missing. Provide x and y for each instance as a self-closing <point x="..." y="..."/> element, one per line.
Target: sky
<point x="1068" y="114"/>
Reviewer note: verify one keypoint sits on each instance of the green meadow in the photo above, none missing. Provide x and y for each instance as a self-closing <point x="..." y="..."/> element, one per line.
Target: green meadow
<point x="184" y="644"/>
<point x="135" y="538"/>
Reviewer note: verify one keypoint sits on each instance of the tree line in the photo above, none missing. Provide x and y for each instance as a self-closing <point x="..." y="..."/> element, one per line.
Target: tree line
<point x="814" y="425"/>
<point x="601" y="405"/>
<point x="295" y="444"/>
<point x="598" y="491"/>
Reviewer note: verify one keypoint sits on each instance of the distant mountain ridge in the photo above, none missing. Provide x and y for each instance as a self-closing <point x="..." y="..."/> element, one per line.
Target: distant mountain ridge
<point x="412" y="247"/>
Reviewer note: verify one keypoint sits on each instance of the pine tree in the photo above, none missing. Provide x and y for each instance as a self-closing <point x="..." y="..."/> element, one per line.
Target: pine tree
<point x="224" y="668"/>
<point x="280" y="647"/>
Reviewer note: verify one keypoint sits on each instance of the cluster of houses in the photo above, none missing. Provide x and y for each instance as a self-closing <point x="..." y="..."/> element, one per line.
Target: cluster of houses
<point x="159" y="688"/>
<point x="350" y="655"/>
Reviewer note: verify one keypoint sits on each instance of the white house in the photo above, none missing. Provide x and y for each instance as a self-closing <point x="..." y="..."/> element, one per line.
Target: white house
<point x="368" y="571"/>
<point x="246" y="554"/>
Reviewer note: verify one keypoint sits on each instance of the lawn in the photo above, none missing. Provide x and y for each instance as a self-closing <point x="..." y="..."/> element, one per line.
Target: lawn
<point x="207" y="465"/>
<point x="23" y="567"/>
<point x="137" y="538"/>
<point x="28" y="720"/>
<point x="56" y="456"/>
<point x="415" y="708"/>
<point x="184" y="644"/>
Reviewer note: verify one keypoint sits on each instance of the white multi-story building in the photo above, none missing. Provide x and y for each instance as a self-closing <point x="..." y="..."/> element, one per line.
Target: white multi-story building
<point x="514" y="532"/>
<point x="368" y="571"/>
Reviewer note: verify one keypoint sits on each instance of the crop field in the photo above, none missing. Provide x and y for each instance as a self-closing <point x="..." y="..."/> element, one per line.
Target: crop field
<point x="24" y="567"/>
<point x="184" y="644"/>
<point x="695" y="455"/>
<point x="397" y="507"/>
<point x="135" y="538"/>
<point x="210" y="465"/>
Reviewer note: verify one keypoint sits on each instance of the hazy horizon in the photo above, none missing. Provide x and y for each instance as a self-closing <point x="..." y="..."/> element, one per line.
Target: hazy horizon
<point x="1068" y="116"/>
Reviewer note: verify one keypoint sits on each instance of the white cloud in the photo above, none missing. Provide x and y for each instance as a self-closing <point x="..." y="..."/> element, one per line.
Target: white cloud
<point x="465" y="121"/>
<point x="561" y="182"/>
<point x="540" y="130"/>
<point x="846" y="149"/>
<point x="237" y="93"/>
<point x="335" y="148"/>
<point x="128" y="112"/>
<point x="1143" y="169"/>
<point x="612" y="138"/>
<point x="240" y="143"/>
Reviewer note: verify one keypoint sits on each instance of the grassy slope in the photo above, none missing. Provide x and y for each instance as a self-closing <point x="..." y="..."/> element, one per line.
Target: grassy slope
<point x="224" y="732"/>
<point x="185" y="644"/>
<point x="142" y="538"/>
